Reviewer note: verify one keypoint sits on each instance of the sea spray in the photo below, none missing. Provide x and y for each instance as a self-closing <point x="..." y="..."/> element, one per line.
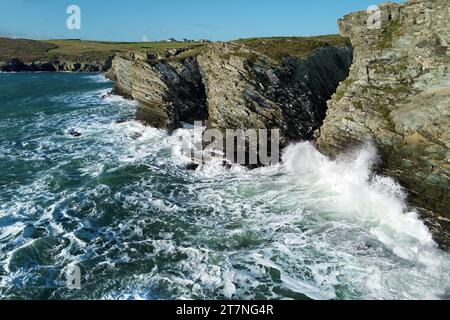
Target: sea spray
<point x="376" y="202"/>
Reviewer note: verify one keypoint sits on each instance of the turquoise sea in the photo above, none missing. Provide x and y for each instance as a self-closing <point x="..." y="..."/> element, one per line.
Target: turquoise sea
<point x="118" y="203"/>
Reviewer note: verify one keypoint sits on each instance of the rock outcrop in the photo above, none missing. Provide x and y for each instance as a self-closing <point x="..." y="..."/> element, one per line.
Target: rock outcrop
<point x="168" y="87"/>
<point x="57" y="65"/>
<point x="398" y="95"/>
<point x="233" y="86"/>
<point x="247" y="89"/>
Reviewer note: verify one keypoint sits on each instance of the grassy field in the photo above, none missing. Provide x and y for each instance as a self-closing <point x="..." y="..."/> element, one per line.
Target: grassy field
<point x="31" y="50"/>
<point x="276" y="48"/>
<point x="281" y="47"/>
<point x="25" y="50"/>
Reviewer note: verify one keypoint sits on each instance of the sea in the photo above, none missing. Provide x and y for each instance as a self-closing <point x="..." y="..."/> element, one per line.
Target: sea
<point x="113" y="212"/>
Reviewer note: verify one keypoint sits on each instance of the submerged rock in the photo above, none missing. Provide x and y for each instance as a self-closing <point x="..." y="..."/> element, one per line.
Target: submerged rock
<point x="136" y="135"/>
<point x="191" y="166"/>
<point x="169" y="93"/>
<point x="74" y="133"/>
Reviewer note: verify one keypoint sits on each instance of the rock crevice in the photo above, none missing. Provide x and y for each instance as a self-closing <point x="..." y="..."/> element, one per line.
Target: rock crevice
<point x="168" y="92"/>
<point x="233" y="86"/>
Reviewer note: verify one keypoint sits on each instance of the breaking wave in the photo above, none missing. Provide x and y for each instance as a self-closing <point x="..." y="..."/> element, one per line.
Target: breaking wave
<point x="99" y="78"/>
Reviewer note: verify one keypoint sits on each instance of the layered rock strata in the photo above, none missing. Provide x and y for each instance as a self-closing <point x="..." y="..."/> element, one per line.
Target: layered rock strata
<point x="398" y="96"/>
<point x="233" y="86"/>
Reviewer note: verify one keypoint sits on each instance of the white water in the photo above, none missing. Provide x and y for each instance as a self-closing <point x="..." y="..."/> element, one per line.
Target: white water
<point x="145" y="227"/>
<point x="357" y="219"/>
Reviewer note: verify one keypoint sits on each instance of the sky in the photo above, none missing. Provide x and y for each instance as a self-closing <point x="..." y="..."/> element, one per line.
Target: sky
<point x="154" y="20"/>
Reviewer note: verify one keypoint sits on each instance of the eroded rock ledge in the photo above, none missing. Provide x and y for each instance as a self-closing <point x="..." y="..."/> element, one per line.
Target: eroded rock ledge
<point x="57" y="65"/>
<point x="398" y="95"/>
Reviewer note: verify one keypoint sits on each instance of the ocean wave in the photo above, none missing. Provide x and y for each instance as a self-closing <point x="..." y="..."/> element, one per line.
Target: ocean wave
<point x="98" y="78"/>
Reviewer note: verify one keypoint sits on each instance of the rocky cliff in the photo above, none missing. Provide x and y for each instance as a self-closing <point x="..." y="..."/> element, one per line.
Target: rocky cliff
<point x="57" y="64"/>
<point x="248" y="89"/>
<point x="167" y="85"/>
<point x="236" y="85"/>
<point x="72" y="55"/>
<point x="398" y="95"/>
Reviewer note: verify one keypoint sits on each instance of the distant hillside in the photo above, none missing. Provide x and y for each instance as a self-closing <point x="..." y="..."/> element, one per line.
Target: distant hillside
<point x="25" y="50"/>
<point x="31" y="50"/>
<point x="80" y="55"/>
<point x="300" y="47"/>
<point x="279" y="48"/>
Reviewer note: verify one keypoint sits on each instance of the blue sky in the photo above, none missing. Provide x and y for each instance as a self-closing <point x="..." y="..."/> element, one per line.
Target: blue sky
<point x="135" y="20"/>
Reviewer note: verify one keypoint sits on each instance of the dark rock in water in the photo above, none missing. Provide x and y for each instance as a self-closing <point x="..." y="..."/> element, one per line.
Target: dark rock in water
<point x="121" y="120"/>
<point x="438" y="225"/>
<point x="110" y="93"/>
<point x="192" y="166"/>
<point x="15" y="65"/>
<point x="136" y="135"/>
<point x="227" y="165"/>
<point x="74" y="133"/>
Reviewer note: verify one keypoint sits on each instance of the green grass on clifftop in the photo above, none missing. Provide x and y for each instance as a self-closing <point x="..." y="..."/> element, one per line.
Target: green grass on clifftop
<point x="32" y="50"/>
<point x="78" y="47"/>
<point x="25" y="50"/>
<point x="276" y="48"/>
<point x="280" y="47"/>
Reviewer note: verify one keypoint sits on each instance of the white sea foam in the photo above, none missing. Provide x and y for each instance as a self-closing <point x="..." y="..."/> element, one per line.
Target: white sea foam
<point x="98" y="78"/>
<point x="357" y="195"/>
<point x="341" y="200"/>
<point x="327" y="229"/>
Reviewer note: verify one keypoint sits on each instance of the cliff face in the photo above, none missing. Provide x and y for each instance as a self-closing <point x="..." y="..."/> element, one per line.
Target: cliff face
<point x="398" y="95"/>
<point x="17" y="55"/>
<point x="233" y="86"/>
<point x="169" y="90"/>
<point x="247" y="89"/>
<point x="55" y="65"/>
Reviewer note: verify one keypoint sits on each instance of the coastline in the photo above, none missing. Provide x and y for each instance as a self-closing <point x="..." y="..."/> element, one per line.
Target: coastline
<point x="118" y="199"/>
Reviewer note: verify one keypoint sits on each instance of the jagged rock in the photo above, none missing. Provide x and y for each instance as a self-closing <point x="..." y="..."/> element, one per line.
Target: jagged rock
<point x="16" y="65"/>
<point x="247" y="89"/>
<point x="169" y="92"/>
<point x="233" y="86"/>
<point x="192" y="166"/>
<point x="398" y="95"/>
